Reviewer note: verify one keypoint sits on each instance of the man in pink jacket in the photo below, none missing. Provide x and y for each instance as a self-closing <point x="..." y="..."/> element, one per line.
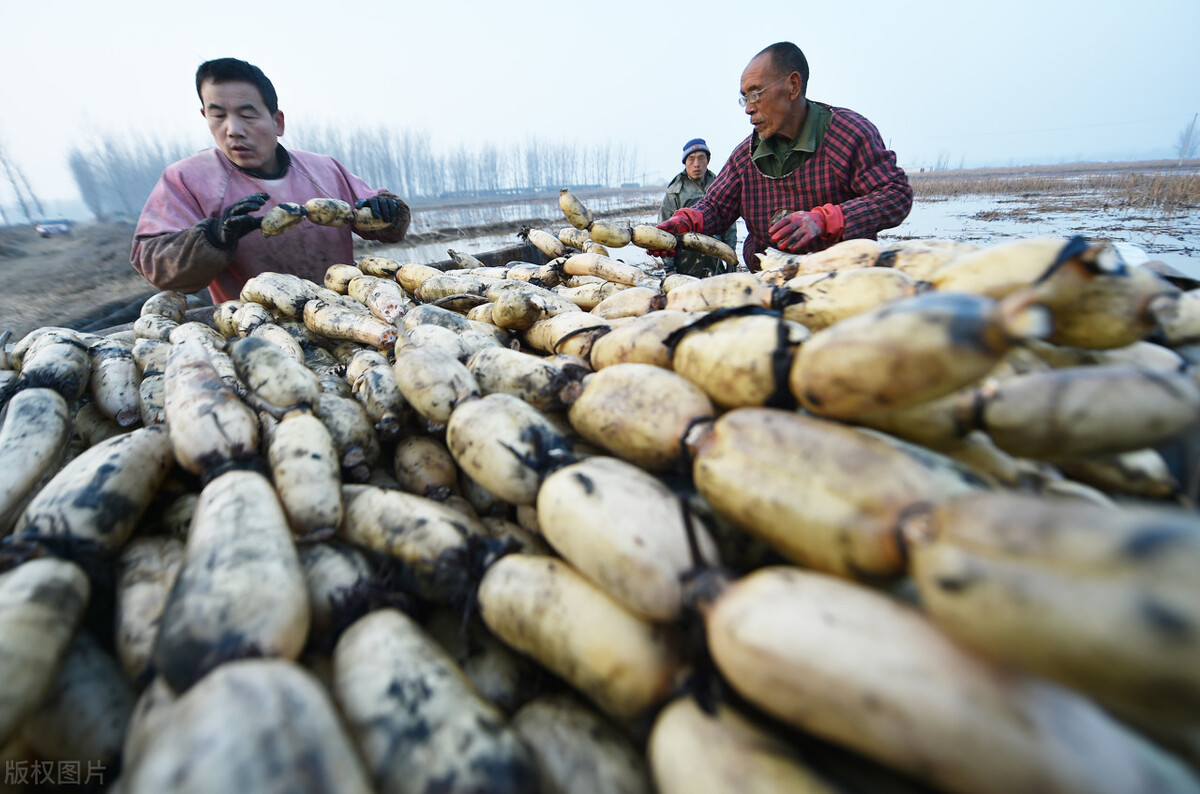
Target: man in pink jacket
<point x="195" y="230"/>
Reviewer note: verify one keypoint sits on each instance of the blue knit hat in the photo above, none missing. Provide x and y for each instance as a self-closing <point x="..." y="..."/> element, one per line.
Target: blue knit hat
<point x="695" y="145"/>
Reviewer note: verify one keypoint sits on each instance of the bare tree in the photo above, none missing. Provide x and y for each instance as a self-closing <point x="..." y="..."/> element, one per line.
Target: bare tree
<point x="29" y="191"/>
<point x="113" y="162"/>
<point x="412" y="144"/>
<point x="556" y="172"/>
<point x="1188" y="142"/>
<point x="87" y="183"/>
<point x="11" y="172"/>
<point x="566" y="161"/>
<point x="115" y="174"/>
<point x="458" y="167"/>
<point x="508" y="169"/>
<point x="431" y="173"/>
<point x="627" y="165"/>
<point x="489" y="168"/>
<point x="605" y="163"/>
<point x="534" y="164"/>
<point x="377" y="150"/>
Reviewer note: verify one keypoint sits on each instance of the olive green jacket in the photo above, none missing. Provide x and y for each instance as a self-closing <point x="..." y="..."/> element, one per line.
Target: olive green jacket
<point x="684" y="192"/>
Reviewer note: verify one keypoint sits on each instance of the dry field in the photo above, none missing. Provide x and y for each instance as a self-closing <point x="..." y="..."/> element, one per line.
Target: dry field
<point x="1159" y="188"/>
<point x="85" y="278"/>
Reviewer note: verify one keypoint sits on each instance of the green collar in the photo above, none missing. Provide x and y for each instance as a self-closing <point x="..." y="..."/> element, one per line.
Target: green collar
<point x="816" y="122"/>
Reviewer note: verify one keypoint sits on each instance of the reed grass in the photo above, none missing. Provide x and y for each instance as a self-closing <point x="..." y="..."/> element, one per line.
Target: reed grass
<point x="1169" y="191"/>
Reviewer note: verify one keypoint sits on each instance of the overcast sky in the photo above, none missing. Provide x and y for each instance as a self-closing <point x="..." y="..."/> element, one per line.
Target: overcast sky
<point x="963" y="83"/>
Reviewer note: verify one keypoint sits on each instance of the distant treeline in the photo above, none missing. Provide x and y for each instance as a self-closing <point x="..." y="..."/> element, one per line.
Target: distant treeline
<point x="115" y="174"/>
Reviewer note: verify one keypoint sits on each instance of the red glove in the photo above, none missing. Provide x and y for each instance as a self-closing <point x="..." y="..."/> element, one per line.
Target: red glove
<point x="792" y="232"/>
<point x="681" y="222"/>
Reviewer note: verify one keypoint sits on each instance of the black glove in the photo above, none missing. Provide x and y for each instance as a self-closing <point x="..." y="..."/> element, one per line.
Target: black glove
<point x="236" y="221"/>
<point x="385" y="208"/>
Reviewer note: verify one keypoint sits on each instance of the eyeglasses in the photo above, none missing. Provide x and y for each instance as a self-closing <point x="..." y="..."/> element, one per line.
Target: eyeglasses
<point x="753" y="97"/>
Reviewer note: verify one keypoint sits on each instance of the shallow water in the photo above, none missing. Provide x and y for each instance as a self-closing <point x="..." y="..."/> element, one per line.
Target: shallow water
<point x="988" y="220"/>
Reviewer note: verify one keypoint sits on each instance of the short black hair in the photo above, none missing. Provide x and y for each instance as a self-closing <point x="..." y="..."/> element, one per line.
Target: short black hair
<point x="788" y="58"/>
<point x="226" y="70"/>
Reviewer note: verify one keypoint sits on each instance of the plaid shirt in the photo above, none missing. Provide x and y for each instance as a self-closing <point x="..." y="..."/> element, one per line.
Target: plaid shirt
<point x="851" y="168"/>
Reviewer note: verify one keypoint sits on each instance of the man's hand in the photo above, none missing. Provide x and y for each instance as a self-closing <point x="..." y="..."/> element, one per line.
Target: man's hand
<point x="792" y="232"/>
<point x="236" y="221"/>
<point x="681" y="222"/>
<point x="385" y="208"/>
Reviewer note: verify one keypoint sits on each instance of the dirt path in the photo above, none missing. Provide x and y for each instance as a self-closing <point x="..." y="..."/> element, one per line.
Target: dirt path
<point x="66" y="279"/>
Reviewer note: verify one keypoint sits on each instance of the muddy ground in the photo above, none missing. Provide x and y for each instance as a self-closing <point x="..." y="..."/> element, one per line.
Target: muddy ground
<point x="69" y="279"/>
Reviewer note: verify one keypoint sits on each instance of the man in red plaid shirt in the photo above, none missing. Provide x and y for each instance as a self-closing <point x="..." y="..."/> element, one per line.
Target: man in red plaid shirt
<point x="809" y="175"/>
